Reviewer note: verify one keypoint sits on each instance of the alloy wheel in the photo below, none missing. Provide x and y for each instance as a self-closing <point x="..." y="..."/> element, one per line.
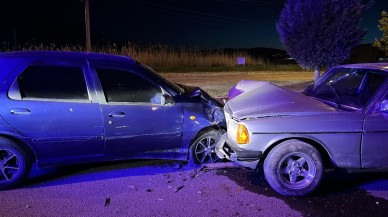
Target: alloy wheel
<point x="296" y="170"/>
<point x="9" y="165"/>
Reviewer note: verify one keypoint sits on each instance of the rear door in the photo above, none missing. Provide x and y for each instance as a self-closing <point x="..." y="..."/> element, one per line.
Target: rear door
<point x="49" y="102"/>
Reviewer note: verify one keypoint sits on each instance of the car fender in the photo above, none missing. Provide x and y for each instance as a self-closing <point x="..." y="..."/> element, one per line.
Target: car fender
<point x="195" y="120"/>
<point x="335" y="155"/>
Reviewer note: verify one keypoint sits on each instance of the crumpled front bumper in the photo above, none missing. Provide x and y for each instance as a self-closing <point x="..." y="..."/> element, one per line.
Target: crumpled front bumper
<point x="231" y="151"/>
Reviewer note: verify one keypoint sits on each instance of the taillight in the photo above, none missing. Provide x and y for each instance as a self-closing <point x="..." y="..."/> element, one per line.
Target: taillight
<point x="242" y="134"/>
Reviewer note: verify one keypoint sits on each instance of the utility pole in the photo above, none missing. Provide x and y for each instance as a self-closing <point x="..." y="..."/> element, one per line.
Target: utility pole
<point x="87" y="24"/>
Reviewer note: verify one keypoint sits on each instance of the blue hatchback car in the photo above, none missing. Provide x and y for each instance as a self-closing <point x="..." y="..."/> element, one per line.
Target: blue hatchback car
<point x="61" y="108"/>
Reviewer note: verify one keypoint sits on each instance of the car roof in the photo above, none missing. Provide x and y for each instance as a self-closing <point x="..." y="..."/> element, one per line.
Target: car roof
<point x="64" y="54"/>
<point x="373" y="66"/>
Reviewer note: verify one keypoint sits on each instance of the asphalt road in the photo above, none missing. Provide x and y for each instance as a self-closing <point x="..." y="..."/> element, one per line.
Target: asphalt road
<point x="168" y="188"/>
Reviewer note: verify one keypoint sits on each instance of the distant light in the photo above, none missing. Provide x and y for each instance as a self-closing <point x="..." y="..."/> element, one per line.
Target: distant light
<point x="192" y="117"/>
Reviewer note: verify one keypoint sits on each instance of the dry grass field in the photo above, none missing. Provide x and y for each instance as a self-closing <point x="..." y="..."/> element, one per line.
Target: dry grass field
<point x="165" y="58"/>
<point x="219" y="83"/>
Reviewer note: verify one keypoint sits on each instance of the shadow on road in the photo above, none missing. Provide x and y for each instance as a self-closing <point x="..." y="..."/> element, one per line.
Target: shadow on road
<point x="100" y="171"/>
<point x="338" y="195"/>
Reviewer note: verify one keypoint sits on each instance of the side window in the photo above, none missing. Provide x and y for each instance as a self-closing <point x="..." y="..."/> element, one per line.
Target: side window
<point x="123" y="86"/>
<point x="370" y="85"/>
<point x="53" y="82"/>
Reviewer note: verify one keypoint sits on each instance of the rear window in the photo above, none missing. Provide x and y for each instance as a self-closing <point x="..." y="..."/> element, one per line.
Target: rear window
<point x="53" y="82"/>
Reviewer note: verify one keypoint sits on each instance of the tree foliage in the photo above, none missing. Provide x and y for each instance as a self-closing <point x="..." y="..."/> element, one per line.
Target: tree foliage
<point x="320" y="33"/>
<point x="382" y="44"/>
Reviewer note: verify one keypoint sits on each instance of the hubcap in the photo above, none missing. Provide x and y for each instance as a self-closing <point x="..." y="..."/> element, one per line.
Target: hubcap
<point x="296" y="170"/>
<point x="205" y="150"/>
<point x="9" y="165"/>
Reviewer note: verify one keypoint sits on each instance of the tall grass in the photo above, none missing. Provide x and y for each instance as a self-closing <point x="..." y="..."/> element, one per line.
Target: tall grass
<point x="172" y="59"/>
<point x="166" y="58"/>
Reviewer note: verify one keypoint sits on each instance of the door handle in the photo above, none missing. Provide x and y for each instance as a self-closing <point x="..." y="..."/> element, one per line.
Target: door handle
<point x="20" y="111"/>
<point x="116" y="114"/>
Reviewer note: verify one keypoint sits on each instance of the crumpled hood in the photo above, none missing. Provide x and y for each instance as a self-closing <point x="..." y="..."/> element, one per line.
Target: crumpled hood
<point x="269" y="100"/>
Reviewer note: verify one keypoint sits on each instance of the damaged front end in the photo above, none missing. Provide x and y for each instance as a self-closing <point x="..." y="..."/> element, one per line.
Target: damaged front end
<point x="203" y="117"/>
<point x="213" y="108"/>
<point x="233" y="143"/>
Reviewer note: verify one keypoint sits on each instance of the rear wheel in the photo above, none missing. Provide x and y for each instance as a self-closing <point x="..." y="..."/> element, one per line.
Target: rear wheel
<point x="203" y="148"/>
<point x="14" y="164"/>
<point x="294" y="168"/>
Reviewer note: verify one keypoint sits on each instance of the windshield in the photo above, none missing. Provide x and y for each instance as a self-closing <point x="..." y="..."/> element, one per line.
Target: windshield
<point x="347" y="87"/>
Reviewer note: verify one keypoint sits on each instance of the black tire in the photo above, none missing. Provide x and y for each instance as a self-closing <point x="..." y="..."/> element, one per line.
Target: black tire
<point x="15" y="164"/>
<point x="202" y="150"/>
<point x="294" y="168"/>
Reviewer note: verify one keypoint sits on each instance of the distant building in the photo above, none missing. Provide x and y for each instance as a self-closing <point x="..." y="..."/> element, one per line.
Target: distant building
<point x="364" y="53"/>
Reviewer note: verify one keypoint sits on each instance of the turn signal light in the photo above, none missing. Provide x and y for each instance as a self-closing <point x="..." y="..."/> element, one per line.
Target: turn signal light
<point x="242" y="134"/>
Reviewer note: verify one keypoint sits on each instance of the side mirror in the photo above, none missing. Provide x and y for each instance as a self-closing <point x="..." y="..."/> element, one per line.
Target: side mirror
<point x="167" y="99"/>
<point x="384" y="106"/>
<point x="163" y="99"/>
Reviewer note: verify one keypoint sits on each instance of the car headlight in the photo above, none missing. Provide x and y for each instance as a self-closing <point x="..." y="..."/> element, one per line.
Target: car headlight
<point x="242" y="134"/>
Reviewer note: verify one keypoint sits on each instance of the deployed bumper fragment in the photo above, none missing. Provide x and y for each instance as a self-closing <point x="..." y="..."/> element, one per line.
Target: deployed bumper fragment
<point x="231" y="152"/>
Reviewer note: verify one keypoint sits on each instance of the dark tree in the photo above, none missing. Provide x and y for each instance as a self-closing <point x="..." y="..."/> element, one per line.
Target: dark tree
<point x="321" y="33"/>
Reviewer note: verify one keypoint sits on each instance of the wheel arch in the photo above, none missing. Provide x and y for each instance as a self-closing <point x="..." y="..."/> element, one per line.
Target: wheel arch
<point x="317" y="145"/>
<point x="200" y="133"/>
<point x="203" y="131"/>
<point x="29" y="151"/>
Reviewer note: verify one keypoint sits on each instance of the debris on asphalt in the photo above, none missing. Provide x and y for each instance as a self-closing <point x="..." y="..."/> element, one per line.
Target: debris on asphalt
<point x="179" y="188"/>
<point x="107" y="201"/>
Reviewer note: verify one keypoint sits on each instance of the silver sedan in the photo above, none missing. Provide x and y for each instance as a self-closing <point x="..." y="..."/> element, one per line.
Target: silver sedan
<point x="340" y="121"/>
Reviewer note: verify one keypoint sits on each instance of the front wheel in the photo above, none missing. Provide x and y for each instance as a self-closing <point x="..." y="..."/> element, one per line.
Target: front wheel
<point x="14" y="164"/>
<point x="203" y="148"/>
<point x="293" y="168"/>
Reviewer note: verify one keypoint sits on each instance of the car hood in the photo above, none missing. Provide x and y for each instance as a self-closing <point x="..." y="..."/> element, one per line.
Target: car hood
<point x="269" y="100"/>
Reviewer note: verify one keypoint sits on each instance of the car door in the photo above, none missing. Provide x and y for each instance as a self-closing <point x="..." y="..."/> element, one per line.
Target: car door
<point x="374" y="144"/>
<point x="50" y="104"/>
<point x="374" y="147"/>
<point x="136" y="122"/>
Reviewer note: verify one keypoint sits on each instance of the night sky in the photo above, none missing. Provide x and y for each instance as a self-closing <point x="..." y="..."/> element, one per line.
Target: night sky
<point x="191" y="23"/>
